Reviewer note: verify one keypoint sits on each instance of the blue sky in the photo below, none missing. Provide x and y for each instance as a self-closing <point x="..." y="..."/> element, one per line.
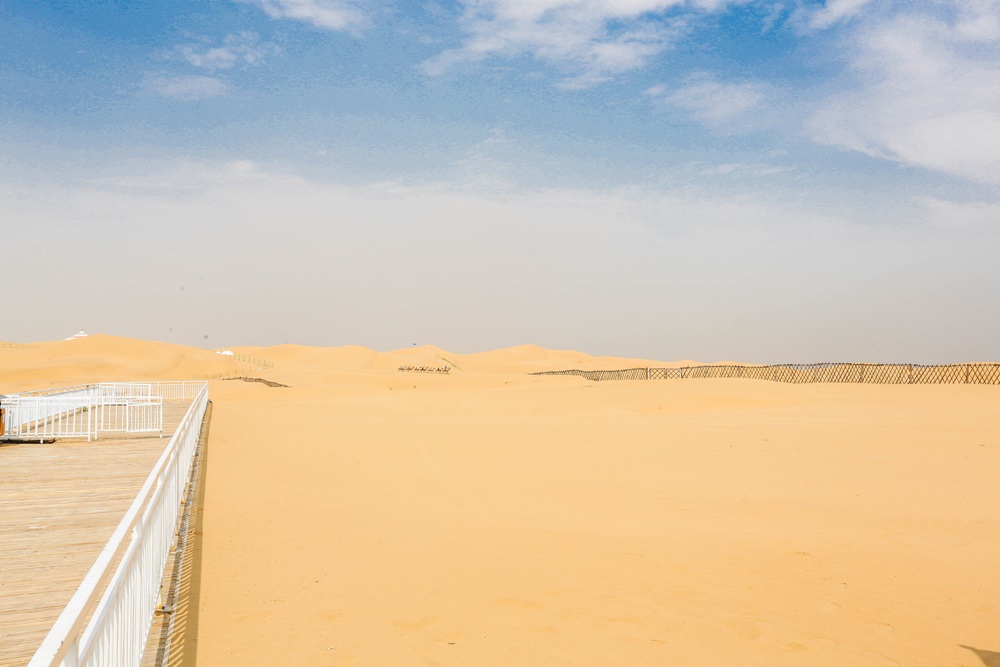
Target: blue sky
<point x="779" y="180"/>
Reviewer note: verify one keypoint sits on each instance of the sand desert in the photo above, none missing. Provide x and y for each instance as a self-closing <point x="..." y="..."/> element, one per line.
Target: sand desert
<point x="367" y="516"/>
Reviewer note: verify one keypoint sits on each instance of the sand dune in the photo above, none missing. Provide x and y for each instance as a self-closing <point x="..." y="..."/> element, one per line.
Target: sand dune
<point x="104" y="358"/>
<point x="365" y="516"/>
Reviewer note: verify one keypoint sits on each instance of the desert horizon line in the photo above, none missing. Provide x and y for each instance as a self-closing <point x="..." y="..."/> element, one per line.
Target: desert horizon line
<point x="522" y="347"/>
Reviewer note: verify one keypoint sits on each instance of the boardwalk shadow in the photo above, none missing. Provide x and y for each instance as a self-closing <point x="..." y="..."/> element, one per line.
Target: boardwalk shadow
<point x="179" y="645"/>
<point x="989" y="658"/>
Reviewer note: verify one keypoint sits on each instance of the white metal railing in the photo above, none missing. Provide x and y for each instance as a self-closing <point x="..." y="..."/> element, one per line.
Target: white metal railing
<point x="66" y="392"/>
<point x="177" y="390"/>
<point x="169" y="389"/>
<point x="88" y="410"/>
<point x="109" y="626"/>
<point x="80" y="414"/>
<point x="52" y="391"/>
<point x="41" y="417"/>
<point x="129" y="415"/>
<point x="125" y="390"/>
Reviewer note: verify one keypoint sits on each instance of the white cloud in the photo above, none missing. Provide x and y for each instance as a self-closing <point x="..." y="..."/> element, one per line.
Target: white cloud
<point x="979" y="20"/>
<point x="238" y="49"/>
<point x="593" y="40"/>
<point x="753" y="169"/>
<point x="325" y="14"/>
<point x="926" y="92"/>
<point x="831" y="13"/>
<point x="187" y="87"/>
<point x="716" y="104"/>
<point x="720" y="170"/>
<point x="921" y="84"/>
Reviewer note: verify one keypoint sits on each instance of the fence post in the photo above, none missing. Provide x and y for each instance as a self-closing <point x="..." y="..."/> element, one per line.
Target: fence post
<point x="647" y="372"/>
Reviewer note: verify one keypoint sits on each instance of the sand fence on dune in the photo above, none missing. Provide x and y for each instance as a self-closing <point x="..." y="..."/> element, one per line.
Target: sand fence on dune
<point x="978" y="373"/>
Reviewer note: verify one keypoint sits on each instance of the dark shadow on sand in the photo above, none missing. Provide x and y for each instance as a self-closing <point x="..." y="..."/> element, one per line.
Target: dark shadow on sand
<point x="989" y="658"/>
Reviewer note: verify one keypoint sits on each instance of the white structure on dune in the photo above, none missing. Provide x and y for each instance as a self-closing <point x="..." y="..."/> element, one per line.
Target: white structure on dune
<point x="79" y="334"/>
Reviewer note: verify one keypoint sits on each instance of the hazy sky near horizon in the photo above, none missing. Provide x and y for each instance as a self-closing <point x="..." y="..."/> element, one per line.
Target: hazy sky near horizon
<point x="756" y="180"/>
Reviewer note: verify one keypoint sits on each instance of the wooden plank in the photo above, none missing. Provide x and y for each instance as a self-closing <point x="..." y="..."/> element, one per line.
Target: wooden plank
<point x="59" y="504"/>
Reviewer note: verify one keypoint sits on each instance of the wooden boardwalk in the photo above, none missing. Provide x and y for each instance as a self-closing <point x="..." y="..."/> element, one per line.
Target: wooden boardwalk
<point x="59" y="504"/>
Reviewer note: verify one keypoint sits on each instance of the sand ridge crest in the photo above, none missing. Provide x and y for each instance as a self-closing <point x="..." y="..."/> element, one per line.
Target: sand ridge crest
<point x="100" y="358"/>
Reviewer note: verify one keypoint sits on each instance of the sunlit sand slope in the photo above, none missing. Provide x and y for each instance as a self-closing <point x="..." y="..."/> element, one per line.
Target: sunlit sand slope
<point x="487" y="517"/>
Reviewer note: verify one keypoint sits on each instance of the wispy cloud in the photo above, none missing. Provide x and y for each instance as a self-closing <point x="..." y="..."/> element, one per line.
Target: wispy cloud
<point x="757" y="169"/>
<point x="325" y="14"/>
<point x="920" y="83"/>
<point x="592" y="40"/>
<point x="925" y="91"/>
<point x="719" y="105"/>
<point x="242" y="48"/>
<point x="978" y="20"/>
<point x="830" y="13"/>
<point x="188" y="88"/>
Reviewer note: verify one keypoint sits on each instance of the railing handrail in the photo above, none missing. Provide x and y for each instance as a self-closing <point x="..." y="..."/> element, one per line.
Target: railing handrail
<point x="62" y="399"/>
<point x="53" y="391"/>
<point x="69" y="628"/>
<point x="152" y="384"/>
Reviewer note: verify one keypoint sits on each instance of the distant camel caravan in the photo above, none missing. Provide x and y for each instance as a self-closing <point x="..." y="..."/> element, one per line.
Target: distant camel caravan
<point x="425" y="369"/>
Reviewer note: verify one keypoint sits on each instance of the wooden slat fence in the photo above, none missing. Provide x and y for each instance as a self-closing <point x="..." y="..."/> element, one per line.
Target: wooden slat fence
<point x="260" y="362"/>
<point x="988" y="373"/>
